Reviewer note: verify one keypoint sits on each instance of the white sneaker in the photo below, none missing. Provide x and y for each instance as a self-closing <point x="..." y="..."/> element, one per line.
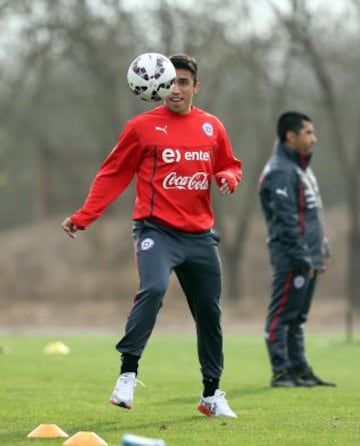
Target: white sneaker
<point x="123" y="393"/>
<point x="216" y="406"/>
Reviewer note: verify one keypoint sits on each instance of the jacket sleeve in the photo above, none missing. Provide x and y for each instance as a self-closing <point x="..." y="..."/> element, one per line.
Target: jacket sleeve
<point x="112" y="178"/>
<point x="226" y="165"/>
<point x="283" y="191"/>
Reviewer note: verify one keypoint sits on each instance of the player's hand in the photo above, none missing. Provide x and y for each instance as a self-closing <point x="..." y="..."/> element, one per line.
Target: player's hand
<point x="69" y="227"/>
<point x="224" y="187"/>
<point x="326" y="262"/>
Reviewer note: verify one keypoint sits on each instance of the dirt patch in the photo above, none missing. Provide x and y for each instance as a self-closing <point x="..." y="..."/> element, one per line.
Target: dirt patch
<point x="110" y="316"/>
<point x="50" y="282"/>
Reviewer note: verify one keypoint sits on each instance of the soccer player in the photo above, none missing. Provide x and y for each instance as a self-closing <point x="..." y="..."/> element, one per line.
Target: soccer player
<point x="292" y="207"/>
<point x="174" y="151"/>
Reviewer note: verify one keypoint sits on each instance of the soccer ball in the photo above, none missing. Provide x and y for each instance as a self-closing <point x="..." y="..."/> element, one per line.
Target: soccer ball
<point x="151" y="76"/>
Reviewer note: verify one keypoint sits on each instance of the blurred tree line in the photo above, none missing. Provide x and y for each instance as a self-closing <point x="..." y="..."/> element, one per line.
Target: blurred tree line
<point x="64" y="98"/>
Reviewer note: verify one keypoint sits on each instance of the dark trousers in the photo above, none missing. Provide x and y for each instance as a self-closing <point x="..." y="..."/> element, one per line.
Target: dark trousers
<point x="291" y="297"/>
<point x="195" y="260"/>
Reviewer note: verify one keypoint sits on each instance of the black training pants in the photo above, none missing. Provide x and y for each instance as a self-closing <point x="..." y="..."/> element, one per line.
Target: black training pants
<point x="194" y="258"/>
<point x="291" y="297"/>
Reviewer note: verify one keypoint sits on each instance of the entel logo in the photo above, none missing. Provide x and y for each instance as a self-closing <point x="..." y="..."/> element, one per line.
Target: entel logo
<point x="174" y="155"/>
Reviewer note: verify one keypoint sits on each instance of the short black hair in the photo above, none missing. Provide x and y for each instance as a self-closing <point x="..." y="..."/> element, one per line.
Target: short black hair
<point x="183" y="61"/>
<point x="291" y="121"/>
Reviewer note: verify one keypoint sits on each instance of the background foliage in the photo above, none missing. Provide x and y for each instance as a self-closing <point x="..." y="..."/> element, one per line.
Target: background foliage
<point x="64" y="100"/>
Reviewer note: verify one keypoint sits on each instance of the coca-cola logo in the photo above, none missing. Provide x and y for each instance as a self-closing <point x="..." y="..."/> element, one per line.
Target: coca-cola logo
<point x="196" y="181"/>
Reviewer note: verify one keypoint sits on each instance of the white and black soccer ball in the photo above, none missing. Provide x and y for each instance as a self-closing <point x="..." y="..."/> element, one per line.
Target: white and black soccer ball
<point x="151" y="76"/>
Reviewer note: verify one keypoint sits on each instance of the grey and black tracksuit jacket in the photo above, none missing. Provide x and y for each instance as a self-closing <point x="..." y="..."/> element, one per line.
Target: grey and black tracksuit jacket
<point x="292" y="207"/>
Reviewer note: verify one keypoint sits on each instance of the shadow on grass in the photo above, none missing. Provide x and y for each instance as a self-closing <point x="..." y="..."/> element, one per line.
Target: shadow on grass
<point x="134" y="425"/>
<point x="232" y="392"/>
<point x="247" y="391"/>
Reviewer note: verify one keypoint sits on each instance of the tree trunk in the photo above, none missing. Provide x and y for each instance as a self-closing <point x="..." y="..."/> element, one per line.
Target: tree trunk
<point x="42" y="198"/>
<point x="353" y="279"/>
<point x="233" y="275"/>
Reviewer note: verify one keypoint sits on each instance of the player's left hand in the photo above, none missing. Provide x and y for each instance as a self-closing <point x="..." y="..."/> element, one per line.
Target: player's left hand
<point x="69" y="227"/>
<point x="224" y="186"/>
<point x="326" y="262"/>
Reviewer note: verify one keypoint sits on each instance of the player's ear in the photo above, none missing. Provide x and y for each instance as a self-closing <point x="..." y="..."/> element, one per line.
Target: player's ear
<point x="291" y="138"/>
<point x="197" y="87"/>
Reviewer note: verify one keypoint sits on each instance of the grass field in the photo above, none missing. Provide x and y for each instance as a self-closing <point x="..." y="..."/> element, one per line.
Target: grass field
<point x="72" y="391"/>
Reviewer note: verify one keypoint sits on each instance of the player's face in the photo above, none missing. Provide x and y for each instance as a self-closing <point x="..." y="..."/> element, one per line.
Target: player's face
<point x="180" y="99"/>
<point x="305" y="139"/>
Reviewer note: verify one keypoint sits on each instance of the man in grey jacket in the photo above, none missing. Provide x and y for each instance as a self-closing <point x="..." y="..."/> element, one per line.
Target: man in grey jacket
<point x="292" y="208"/>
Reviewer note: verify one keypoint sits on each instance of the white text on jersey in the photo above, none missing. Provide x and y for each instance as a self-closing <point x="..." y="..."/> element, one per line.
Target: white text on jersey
<point x="197" y="181"/>
<point x="174" y="155"/>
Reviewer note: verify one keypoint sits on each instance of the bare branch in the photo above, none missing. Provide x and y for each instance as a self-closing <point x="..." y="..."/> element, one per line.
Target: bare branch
<point x="297" y="27"/>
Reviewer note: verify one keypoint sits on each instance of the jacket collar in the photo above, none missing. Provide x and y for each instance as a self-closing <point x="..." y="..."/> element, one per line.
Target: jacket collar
<point x="302" y="161"/>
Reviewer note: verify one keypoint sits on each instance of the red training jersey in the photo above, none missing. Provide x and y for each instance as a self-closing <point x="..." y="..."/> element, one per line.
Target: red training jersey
<point x="174" y="158"/>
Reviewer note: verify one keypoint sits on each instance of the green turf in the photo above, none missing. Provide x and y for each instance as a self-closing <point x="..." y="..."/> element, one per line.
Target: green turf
<point x="72" y="391"/>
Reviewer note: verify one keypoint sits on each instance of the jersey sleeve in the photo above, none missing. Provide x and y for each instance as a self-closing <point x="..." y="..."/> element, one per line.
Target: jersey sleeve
<point x="112" y="178"/>
<point x="226" y="165"/>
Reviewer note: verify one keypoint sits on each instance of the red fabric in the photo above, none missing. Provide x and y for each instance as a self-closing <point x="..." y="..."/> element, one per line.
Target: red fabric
<point x="283" y="301"/>
<point x="174" y="158"/>
<point x="304" y="161"/>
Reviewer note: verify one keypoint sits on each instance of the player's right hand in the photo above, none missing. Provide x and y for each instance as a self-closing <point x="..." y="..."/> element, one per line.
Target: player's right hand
<point x="69" y="227"/>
